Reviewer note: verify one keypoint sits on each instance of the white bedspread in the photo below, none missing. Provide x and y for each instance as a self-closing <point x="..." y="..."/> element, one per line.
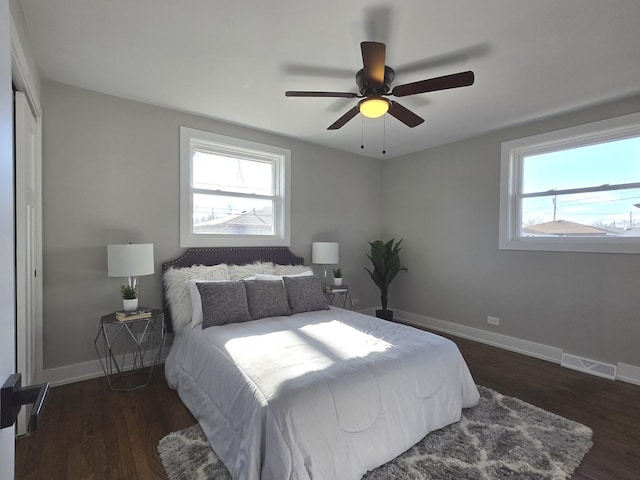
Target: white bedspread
<point x="325" y="395"/>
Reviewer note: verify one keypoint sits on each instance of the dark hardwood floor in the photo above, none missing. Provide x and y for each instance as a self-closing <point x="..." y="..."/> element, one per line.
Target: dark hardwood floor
<point x="610" y="408"/>
<point x="89" y="432"/>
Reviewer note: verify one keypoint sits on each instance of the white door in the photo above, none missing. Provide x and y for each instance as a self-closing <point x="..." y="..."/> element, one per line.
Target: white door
<point x="7" y="243"/>
<point x="28" y="274"/>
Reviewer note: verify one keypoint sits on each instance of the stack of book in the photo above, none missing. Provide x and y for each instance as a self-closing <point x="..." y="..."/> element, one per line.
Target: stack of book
<point x="340" y="289"/>
<point x="137" y="314"/>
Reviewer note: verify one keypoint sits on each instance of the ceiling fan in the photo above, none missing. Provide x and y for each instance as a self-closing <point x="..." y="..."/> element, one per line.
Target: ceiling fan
<point x="374" y="83"/>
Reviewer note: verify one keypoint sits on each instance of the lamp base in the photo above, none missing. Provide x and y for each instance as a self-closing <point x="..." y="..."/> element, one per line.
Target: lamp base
<point x="324" y="286"/>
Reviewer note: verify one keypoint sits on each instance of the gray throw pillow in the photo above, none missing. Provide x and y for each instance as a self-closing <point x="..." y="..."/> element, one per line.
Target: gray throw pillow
<point x="305" y="294"/>
<point x="266" y="298"/>
<point x="223" y="302"/>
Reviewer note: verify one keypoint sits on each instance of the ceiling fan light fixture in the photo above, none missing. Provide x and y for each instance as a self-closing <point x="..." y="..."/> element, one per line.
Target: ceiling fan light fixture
<point x="374" y="107"/>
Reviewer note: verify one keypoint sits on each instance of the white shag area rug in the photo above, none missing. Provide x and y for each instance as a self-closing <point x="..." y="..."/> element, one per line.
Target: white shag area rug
<point x="501" y="438"/>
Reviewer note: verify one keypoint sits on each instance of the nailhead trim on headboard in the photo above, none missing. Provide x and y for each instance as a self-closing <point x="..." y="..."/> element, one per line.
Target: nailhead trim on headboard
<point x="216" y="255"/>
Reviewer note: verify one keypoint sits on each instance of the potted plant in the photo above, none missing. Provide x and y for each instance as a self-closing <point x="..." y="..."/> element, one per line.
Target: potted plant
<point x="129" y="297"/>
<point x="337" y="277"/>
<point x="385" y="258"/>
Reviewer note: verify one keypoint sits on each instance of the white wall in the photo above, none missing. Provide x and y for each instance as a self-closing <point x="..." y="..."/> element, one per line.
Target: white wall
<point x="444" y="202"/>
<point x="110" y="175"/>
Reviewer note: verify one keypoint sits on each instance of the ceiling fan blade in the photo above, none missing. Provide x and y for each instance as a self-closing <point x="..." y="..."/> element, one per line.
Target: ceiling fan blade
<point x="293" y="93"/>
<point x="377" y="23"/>
<point x="344" y="118"/>
<point x="405" y="115"/>
<point x="373" y="54"/>
<point x="462" y="79"/>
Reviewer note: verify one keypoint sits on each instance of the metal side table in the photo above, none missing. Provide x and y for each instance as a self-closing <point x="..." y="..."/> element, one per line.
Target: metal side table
<point x="340" y="295"/>
<point x="129" y="351"/>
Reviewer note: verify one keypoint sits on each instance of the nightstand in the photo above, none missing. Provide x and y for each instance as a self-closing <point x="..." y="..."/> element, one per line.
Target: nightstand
<point x="130" y="350"/>
<point x="340" y="295"/>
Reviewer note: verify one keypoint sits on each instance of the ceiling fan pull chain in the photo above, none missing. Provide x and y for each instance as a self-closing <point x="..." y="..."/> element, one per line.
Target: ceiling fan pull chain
<point x="361" y="132"/>
<point x="384" y="135"/>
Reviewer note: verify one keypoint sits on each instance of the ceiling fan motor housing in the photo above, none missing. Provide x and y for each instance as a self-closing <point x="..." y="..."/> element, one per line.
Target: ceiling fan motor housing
<point x="369" y="89"/>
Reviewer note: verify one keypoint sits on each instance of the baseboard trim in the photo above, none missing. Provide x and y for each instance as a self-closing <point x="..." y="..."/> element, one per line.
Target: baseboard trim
<point x="525" y="347"/>
<point x="628" y="373"/>
<point x="78" y="372"/>
<point x="72" y="373"/>
<point x="622" y="372"/>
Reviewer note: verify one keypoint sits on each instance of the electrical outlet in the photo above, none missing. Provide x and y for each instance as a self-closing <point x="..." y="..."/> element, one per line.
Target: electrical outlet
<point x="355" y="301"/>
<point x="493" y="320"/>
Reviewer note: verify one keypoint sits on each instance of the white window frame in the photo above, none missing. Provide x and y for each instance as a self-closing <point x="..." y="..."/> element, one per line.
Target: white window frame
<point x="511" y="181"/>
<point x="280" y="157"/>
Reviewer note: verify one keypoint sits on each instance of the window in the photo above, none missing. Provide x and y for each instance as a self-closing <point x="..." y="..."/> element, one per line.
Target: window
<point x="232" y="192"/>
<point x="576" y="189"/>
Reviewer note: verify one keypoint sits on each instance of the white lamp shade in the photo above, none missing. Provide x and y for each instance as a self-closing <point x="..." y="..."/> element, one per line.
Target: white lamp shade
<point x="130" y="260"/>
<point x="325" y="252"/>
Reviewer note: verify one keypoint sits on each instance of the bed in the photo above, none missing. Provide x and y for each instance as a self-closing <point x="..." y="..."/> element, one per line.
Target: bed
<point x="326" y="394"/>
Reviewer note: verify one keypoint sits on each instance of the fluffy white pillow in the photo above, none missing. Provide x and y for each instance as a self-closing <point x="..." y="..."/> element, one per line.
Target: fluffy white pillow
<point x="176" y="285"/>
<point x="239" y="272"/>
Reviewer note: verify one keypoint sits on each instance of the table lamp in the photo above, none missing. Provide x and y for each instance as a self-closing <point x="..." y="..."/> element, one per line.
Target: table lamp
<point x="325" y="253"/>
<point x="130" y="260"/>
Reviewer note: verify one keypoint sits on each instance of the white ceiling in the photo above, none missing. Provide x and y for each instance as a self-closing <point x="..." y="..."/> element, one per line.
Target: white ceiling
<point x="233" y="60"/>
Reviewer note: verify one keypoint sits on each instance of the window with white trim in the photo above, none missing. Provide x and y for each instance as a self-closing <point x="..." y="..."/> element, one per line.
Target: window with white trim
<point x="576" y="189"/>
<point x="233" y="192"/>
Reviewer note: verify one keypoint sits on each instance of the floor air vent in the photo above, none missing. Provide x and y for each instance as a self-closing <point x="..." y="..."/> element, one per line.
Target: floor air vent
<point x="585" y="365"/>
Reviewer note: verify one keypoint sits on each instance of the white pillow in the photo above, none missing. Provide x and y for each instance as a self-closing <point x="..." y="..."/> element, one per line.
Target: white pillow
<point x="305" y="273"/>
<point x="238" y="272"/>
<point x="176" y="285"/>
<point x="266" y="276"/>
<point x="196" y="300"/>
<point x="262" y="276"/>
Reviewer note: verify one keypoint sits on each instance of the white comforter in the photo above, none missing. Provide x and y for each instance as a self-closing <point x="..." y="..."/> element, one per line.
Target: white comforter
<point x="324" y="395"/>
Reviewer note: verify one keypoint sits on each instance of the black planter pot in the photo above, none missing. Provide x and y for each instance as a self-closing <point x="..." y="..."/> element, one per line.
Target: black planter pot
<point x="385" y="314"/>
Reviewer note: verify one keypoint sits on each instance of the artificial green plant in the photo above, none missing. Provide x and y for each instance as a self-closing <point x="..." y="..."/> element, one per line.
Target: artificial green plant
<point x="128" y="292"/>
<point x="385" y="258"/>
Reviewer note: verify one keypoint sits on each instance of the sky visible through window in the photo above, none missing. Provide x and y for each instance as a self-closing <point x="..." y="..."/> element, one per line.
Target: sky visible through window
<point x="610" y="163"/>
